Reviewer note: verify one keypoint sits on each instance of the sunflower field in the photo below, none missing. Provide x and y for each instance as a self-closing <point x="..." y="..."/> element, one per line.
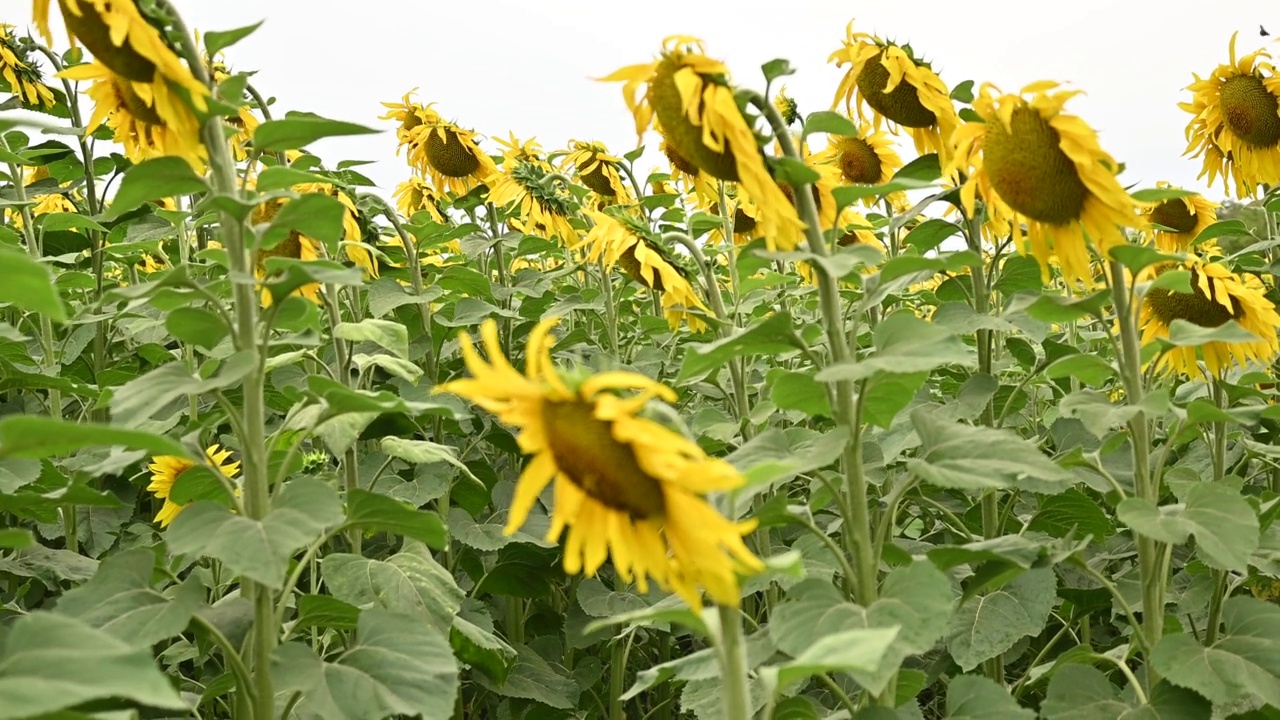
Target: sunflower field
<point x="911" y="407"/>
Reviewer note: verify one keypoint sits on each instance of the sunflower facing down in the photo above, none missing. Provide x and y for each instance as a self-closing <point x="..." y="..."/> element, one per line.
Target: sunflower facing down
<point x="1235" y="122"/>
<point x="439" y="149"/>
<point x="1032" y="163"/>
<point x="899" y="87"/>
<point x="699" y="118"/>
<point x="625" y="486"/>
<point x="166" y="469"/>
<point x="296" y="246"/>
<point x="21" y="73"/>
<point x="598" y="170"/>
<point x="1177" y="222"/>
<point x="1217" y="296"/>
<point x="540" y="205"/>
<point x="415" y="196"/>
<point x="623" y="240"/>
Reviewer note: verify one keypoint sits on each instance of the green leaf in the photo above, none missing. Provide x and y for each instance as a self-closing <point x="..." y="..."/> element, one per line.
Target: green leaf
<point x="392" y="365"/>
<point x="16" y="538"/>
<point x="775" y="454"/>
<point x="1183" y="333"/>
<point x="299" y="129"/>
<point x="1088" y="368"/>
<point x="1178" y="281"/>
<point x="973" y="697"/>
<point x="1158" y="194"/>
<point x="197" y="326"/>
<point x="326" y="612"/>
<point x="135" y="402"/>
<point x="1221" y="228"/>
<point x="40" y="437"/>
<point x="832" y="123"/>
<point x="394" y="666"/>
<point x="389" y="335"/>
<point x="1080" y="692"/>
<point x="482" y="650"/>
<point x="28" y="284"/>
<point x="120" y="601"/>
<point x="887" y="394"/>
<point x="770" y="336"/>
<point x="534" y="678"/>
<point x="50" y="662"/>
<point x="776" y="68"/>
<point x="963" y="92"/>
<point x="1243" y="665"/>
<point x="904" y="344"/>
<point x="409" y="582"/>
<point x="846" y="195"/>
<point x="425" y="452"/>
<point x="852" y="651"/>
<point x="18" y="472"/>
<point x="315" y="215"/>
<point x="1224" y="524"/>
<point x="930" y="234"/>
<point x="372" y="511"/>
<point x="798" y="391"/>
<point x="53" y="222"/>
<point x="155" y="179"/>
<point x="1060" y="309"/>
<point x="284" y="178"/>
<point x="988" y="625"/>
<point x="1058" y="514"/>
<point x="385" y="295"/>
<point x="217" y="40"/>
<point x="968" y="457"/>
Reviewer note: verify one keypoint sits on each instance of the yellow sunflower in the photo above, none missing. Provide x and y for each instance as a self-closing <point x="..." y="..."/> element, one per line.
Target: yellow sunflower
<point x="625" y="485"/>
<point x="597" y="170"/>
<point x="745" y="227"/>
<point x="699" y="117"/>
<point x="541" y="205"/>
<point x="899" y="87"/>
<point x="244" y="121"/>
<point x="622" y="239"/>
<point x="1217" y="296"/>
<point x="787" y="106"/>
<point x="439" y="149"/>
<point x="1177" y="222"/>
<point x="20" y="72"/>
<point x="351" y="233"/>
<point x="1235" y="122"/>
<point x="415" y="196"/>
<point x="1034" y="164"/>
<point x="701" y="186"/>
<point x="297" y="246"/>
<point x="867" y="159"/>
<point x="165" y="470"/>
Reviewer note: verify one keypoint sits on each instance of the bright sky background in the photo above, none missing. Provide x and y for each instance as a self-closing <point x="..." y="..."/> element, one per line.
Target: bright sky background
<point x="502" y="66"/>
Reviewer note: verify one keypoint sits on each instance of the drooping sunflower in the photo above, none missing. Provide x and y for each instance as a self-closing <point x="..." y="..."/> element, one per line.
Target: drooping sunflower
<point x="439" y="149"/>
<point x="1175" y="223"/>
<point x="1235" y="122"/>
<point x="541" y="205"/>
<point x="351" y="234"/>
<point x="622" y="239"/>
<point x="745" y="227"/>
<point x="166" y="469"/>
<point x="598" y="170"/>
<point x="899" y="87"/>
<point x="701" y="186"/>
<point x="22" y="74"/>
<point x="1032" y="163"/>
<point x="244" y="121"/>
<point x="625" y="486"/>
<point x="414" y="196"/>
<point x="699" y="118"/>
<point x="1217" y="296"/>
<point x="297" y="246"/>
<point x="787" y="107"/>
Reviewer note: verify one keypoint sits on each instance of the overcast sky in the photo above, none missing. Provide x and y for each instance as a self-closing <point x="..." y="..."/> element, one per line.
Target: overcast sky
<point x="515" y="65"/>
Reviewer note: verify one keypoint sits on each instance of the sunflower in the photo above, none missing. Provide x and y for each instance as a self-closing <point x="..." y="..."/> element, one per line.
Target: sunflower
<point x="47" y="201"/>
<point x="744" y="219"/>
<point x="1235" y="122"/>
<point x="899" y="88"/>
<point x="1175" y="223"/>
<point x="867" y="159"/>
<point x="787" y="107"/>
<point x="622" y="239"/>
<point x="351" y="234"/>
<point x="1034" y="164"/>
<point x="297" y="246"/>
<point x="21" y="73"/>
<point x="541" y="205"/>
<point x="702" y="186"/>
<point x="439" y="149"/>
<point x="414" y="196"/>
<point x="1217" y="296"/>
<point x="597" y="170"/>
<point x="244" y="121"/>
<point x="165" y="470"/>
<point x="700" y="119"/>
<point x="148" y="119"/>
<point x="625" y="485"/>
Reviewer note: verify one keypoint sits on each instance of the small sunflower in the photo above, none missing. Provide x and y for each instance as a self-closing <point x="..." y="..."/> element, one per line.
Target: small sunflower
<point x="542" y="206"/>
<point x="597" y="170"/>
<point x="244" y="121"/>
<point x="622" y="239"/>
<point x="1032" y="163"/>
<point x="787" y="107"/>
<point x="701" y="185"/>
<point x="165" y="470"/>
<point x="1177" y="222"/>
<point x="867" y="159"/>
<point x="1217" y="296"/>
<point x="439" y="149"/>
<point x="1235" y="122"/>
<point x="297" y="246"/>
<point x="899" y="87"/>
<point x="625" y="485"/>
<point x="23" y="76"/>
<point x="744" y="220"/>
<point x="414" y="196"/>
<point x="700" y="119"/>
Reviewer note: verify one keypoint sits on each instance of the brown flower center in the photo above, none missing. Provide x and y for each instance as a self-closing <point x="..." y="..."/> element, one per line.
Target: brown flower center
<point x="1030" y="171"/>
<point x="134" y="104"/>
<point x="631" y="265"/>
<point x="1194" y="307"/>
<point x="902" y="106"/>
<point x="598" y="180"/>
<point x="90" y="29"/>
<point x="1175" y="215"/>
<point x="681" y="134"/>
<point x="448" y="155"/>
<point x="1251" y="112"/>
<point x="678" y="161"/>
<point x="859" y="162"/>
<point x="587" y="454"/>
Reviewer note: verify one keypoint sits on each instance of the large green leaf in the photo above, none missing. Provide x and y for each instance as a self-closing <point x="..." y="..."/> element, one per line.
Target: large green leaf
<point x="1224" y="524"/>
<point x="861" y="652"/>
<point x="1081" y="692"/>
<point x="394" y="666"/>
<point x="378" y="512"/>
<point x="533" y="677"/>
<point x="988" y="625"/>
<point x="481" y="649"/>
<point x="138" y="400"/>
<point x="154" y="179"/>
<point x="38" y="437"/>
<point x="121" y="601"/>
<point x="966" y="457"/>
<point x="409" y="583"/>
<point x="28" y="284"/>
<point x="770" y="336"/>
<point x="973" y="697"/>
<point x="1242" y="665"/>
<point x="904" y="344"/>
<point x="299" y="129"/>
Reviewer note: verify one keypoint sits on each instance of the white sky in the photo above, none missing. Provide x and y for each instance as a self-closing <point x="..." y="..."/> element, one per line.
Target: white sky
<point x="516" y="65"/>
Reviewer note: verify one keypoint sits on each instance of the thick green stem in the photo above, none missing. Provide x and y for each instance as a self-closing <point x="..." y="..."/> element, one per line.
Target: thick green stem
<point x="1219" y="458"/>
<point x="735" y="694"/>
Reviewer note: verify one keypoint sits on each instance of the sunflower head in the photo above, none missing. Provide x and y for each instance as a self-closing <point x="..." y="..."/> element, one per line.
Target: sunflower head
<point x="1175" y="223"/>
<point x="787" y="106"/>
<point x="597" y="169"/>
<point x="866" y="159"/>
<point x="20" y="71"/>
<point x="166" y="469"/>
<point x="439" y="149"/>
<point x="541" y="205"/>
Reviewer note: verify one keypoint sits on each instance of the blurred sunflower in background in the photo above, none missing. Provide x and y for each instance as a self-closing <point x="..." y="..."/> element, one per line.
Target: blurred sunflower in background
<point x="49" y="197"/>
<point x="296" y="246"/>
<point x="899" y="87"/>
<point x="438" y="149"/>
<point x="351" y="234"/>
<point x="166" y="469"/>
<point x="786" y="106"/>
<point x="1032" y="163"/>
<point x="1235" y="122"/>
<point x="597" y="170"/>
<point x="625" y="486"/>
<point x="867" y="159"/>
<point x="622" y="239"/>
<point x="699" y="118"/>
<point x="700" y="185"/>
<point x="414" y="196"/>
<point x="525" y="184"/>
<point x="1175" y="223"/>
<point x="1217" y="296"/>
<point x="21" y="73"/>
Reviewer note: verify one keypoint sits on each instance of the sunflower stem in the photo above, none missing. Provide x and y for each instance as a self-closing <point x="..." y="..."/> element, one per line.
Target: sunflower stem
<point x="736" y="694"/>
<point x="1151" y="566"/>
<point x="1219" y="458"/>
